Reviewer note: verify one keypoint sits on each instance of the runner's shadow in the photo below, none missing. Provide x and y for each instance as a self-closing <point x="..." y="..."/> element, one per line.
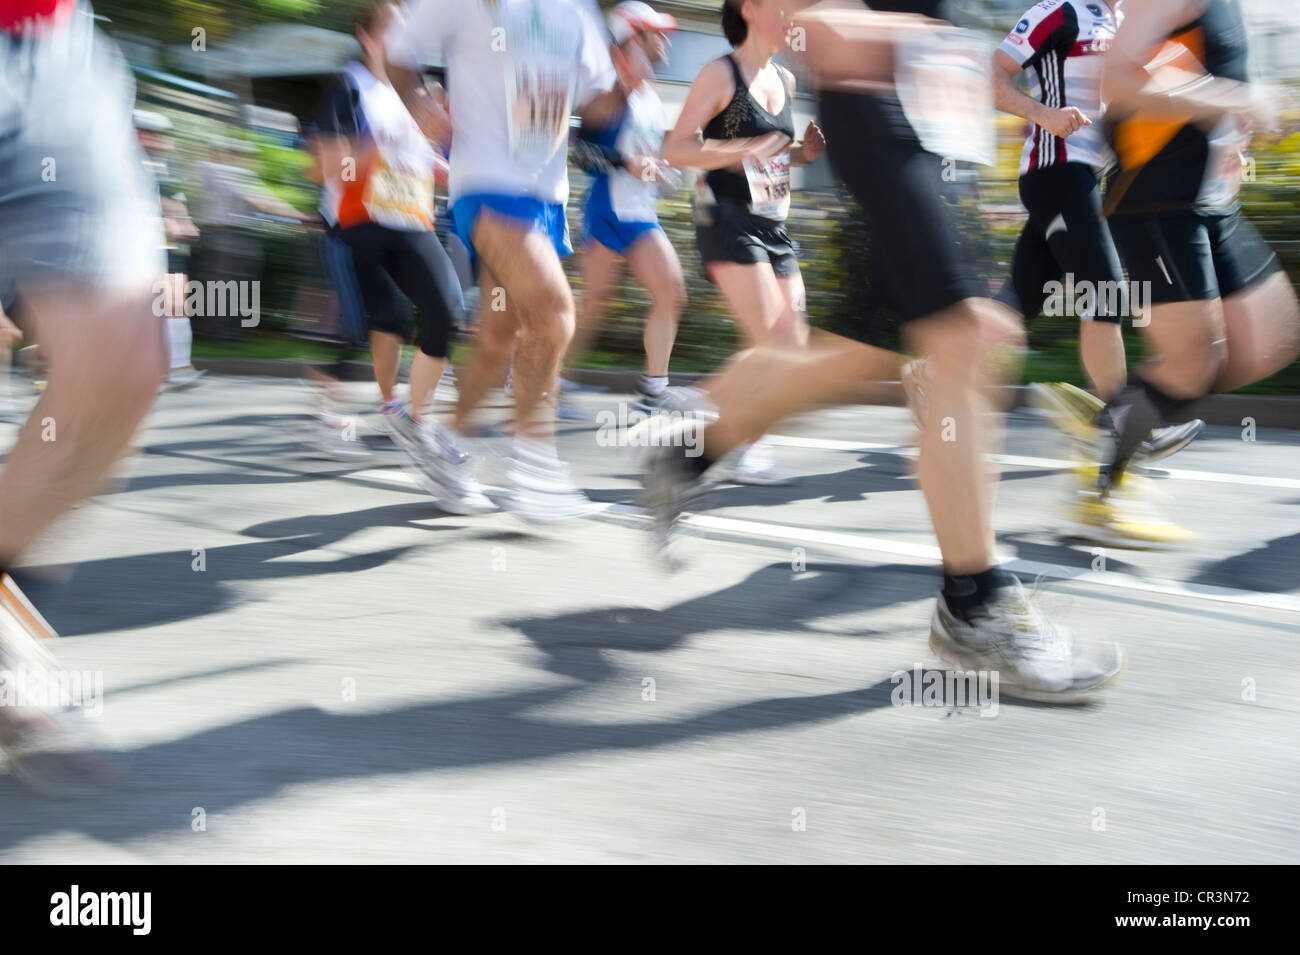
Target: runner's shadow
<point x="773" y="599"/>
<point x="1272" y="568"/>
<point x="144" y="590"/>
<point x="1068" y="553"/>
<point x="229" y="766"/>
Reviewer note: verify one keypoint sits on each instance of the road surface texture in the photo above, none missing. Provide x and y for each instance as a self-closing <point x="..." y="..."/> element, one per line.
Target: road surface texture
<point x="308" y="661"/>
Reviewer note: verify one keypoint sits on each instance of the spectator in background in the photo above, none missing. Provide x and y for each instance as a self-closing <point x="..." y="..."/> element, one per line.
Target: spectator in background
<point x="153" y="130"/>
<point x="233" y="198"/>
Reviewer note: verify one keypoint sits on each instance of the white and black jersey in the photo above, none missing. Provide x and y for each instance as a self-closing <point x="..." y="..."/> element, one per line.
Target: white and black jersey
<point x="1060" y="44"/>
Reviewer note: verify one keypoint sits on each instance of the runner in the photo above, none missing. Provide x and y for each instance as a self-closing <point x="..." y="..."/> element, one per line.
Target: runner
<point x="1065" y="240"/>
<point x="81" y="241"/>
<point x="1223" y="313"/>
<point x="515" y="69"/>
<point x="154" y="131"/>
<point x="983" y="618"/>
<point x="380" y="172"/>
<point x="331" y="432"/>
<point x="620" y="218"/>
<point x="737" y="127"/>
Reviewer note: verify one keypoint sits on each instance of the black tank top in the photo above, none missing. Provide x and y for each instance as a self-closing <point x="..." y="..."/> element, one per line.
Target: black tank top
<point x="744" y="118"/>
<point x="1165" y="166"/>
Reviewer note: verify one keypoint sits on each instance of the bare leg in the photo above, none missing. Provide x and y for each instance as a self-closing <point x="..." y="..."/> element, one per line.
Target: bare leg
<point x="386" y="353"/>
<point x="107" y="347"/>
<point x="426" y="371"/>
<point x="528" y="267"/>
<point x="495" y="341"/>
<point x="600" y="268"/>
<point x="1189" y="345"/>
<point x="764" y="385"/>
<point x="654" y="263"/>
<point x="1101" y="349"/>
<point x="958" y="430"/>
<point x="1263" y="328"/>
<point x="758" y="303"/>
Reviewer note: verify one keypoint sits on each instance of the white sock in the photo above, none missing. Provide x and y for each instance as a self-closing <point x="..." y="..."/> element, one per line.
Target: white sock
<point x="535" y="452"/>
<point x="654" y="386"/>
<point x="179" y="339"/>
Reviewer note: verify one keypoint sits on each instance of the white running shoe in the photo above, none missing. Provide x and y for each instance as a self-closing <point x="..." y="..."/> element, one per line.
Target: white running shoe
<point x="444" y="469"/>
<point x="178" y="379"/>
<point x="542" y="492"/>
<point x="335" y="436"/>
<point x="756" y="464"/>
<point x="1034" y="658"/>
<point x="46" y="743"/>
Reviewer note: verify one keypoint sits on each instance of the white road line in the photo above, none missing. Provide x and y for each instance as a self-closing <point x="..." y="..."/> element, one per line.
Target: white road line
<point x="1015" y="460"/>
<point x="921" y="554"/>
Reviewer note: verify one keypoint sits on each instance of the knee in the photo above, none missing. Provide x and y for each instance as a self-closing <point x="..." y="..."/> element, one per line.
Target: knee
<point x="497" y="343"/>
<point x="670" y="296"/>
<point x="973" y="332"/>
<point x="1196" y="371"/>
<point x="552" y="320"/>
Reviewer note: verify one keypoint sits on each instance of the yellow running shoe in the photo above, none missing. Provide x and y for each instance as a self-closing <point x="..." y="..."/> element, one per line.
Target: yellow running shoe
<point x="1071" y="409"/>
<point x="1126" y="517"/>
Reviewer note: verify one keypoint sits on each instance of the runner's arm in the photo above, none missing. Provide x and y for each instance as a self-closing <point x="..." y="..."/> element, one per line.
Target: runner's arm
<point x="1006" y="97"/>
<point x="853" y="48"/>
<point x="1172" y="94"/>
<point x="813" y="143"/>
<point x="421" y="28"/>
<point x="684" y="147"/>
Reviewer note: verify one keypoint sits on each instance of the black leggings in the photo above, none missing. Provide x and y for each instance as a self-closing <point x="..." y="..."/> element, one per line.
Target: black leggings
<point x="390" y="263"/>
<point x="1065" y="234"/>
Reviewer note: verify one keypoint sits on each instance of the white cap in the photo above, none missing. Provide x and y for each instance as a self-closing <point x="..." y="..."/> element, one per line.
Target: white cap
<point x="632" y="16"/>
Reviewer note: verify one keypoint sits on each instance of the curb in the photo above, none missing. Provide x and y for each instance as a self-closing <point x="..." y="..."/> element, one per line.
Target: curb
<point x="1235" y="411"/>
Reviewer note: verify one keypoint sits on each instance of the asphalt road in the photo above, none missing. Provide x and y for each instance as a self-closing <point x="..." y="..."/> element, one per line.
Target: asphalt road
<point x="305" y="661"/>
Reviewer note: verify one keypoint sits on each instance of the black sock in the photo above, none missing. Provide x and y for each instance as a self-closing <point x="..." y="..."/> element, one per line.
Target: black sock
<point x="1138" y="409"/>
<point x="968" y="593"/>
<point x="1172" y="410"/>
<point x="697" y="465"/>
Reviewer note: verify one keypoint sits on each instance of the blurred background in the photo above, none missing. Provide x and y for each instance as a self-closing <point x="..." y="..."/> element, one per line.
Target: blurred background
<point x="237" y="82"/>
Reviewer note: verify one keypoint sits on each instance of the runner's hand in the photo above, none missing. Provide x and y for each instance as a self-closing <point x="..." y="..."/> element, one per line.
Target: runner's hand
<point x="1064" y="121"/>
<point x="814" y="143"/>
<point x="1263" y="117"/>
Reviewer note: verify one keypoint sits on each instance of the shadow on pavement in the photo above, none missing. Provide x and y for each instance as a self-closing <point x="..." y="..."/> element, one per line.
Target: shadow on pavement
<point x="772" y="599"/>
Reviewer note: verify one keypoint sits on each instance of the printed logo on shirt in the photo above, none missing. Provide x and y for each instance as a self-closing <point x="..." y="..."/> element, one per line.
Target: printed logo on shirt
<point x="1022" y="26"/>
<point x="1094" y="9"/>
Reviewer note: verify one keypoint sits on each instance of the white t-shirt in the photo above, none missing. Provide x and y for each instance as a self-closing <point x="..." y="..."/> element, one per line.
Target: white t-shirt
<point x="641" y="134"/>
<point x="516" y="70"/>
<point x="1061" y="43"/>
<point x="398" y="193"/>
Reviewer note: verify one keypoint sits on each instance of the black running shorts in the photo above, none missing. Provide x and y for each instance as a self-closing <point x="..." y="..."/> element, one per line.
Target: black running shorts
<point x="1066" y="236"/>
<point x="730" y="233"/>
<point x="392" y="263"/>
<point x="917" y="265"/>
<point x="1192" y="256"/>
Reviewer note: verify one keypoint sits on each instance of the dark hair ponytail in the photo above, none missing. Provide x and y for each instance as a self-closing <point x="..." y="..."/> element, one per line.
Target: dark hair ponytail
<point x="734" y="27"/>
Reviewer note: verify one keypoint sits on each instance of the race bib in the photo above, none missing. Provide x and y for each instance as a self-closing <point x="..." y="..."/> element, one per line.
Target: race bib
<point x="769" y="186"/>
<point x="942" y="79"/>
<point x="539" y="99"/>
<point x="399" y="196"/>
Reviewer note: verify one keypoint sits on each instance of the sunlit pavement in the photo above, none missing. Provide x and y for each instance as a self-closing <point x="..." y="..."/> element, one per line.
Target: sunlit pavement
<point x="308" y="661"/>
